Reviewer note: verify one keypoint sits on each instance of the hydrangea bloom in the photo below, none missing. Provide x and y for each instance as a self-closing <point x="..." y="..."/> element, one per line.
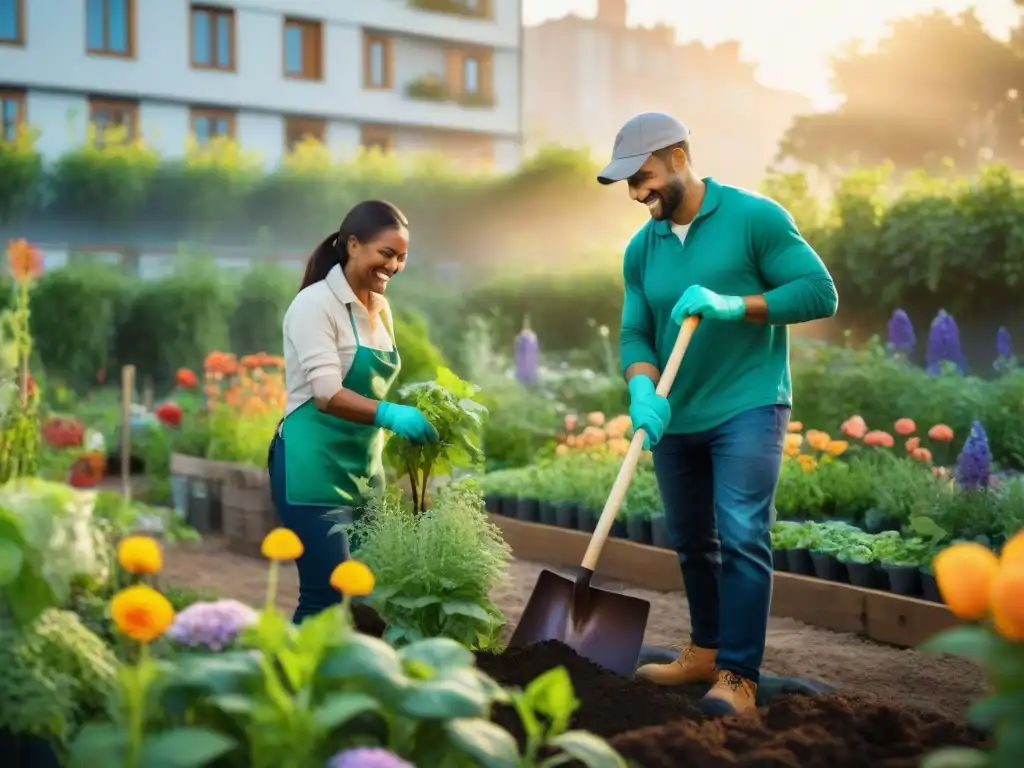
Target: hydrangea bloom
<point x="974" y="464"/>
<point x="944" y="344"/>
<point x="211" y="625"/>
<point x="368" y="757"/>
<point x="901" y="338"/>
<point x="527" y="357"/>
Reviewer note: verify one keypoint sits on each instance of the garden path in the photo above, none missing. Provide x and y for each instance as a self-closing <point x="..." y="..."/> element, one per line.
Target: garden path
<point x="851" y="664"/>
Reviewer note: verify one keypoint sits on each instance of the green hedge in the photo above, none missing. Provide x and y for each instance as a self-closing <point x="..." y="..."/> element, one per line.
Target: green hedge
<point x="88" y="320"/>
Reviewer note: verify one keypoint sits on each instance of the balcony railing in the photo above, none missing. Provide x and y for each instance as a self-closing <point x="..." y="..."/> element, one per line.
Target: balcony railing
<point x="473" y="9"/>
<point x="433" y="88"/>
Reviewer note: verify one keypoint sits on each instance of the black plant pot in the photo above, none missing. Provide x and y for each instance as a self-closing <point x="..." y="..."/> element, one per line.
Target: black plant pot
<point x="528" y="510"/>
<point x="828" y="567"/>
<point x="547" y="513"/>
<point x="866" y="575"/>
<point x="929" y="587"/>
<point x="800" y="562"/>
<point x="586" y="520"/>
<point x="619" y="530"/>
<point x="27" y="751"/>
<point x="204" y="507"/>
<point x="566" y="514"/>
<point x="780" y="560"/>
<point x="876" y="523"/>
<point x="903" y="580"/>
<point x="659" y="531"/>
<point x="638" y="529"/>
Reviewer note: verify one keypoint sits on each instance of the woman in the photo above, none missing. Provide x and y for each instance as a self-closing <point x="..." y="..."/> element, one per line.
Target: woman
<point x="340" y="361"/>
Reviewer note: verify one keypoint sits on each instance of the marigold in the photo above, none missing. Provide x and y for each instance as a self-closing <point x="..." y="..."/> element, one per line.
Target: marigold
<point x="793" y="441"/>
<point x="141" y="613"/>
<point x="140" y="555"/>
<point x="795" y="426"/>
<point x="352" y="578"/>
<point x="837" y="447"/>
<point x="905" y="427"/>
<point x="912" y="444"/>
<point x="281" y="544"/>
<point x="807" y="463"/>
<point x="1007" y="601"/>
<point x="618" y="427"/>
<point x="818" y="440"/>
<point x="185" y="378"/>
<point x="618" y="446"/>
<point x="879" y="439"/>
<point x="854" y="427"/>
<point x="941" y="433"/>
<point x="922" y="454"/>
<point x="1013" y="549"/>
<point x="24" y="260"/>
<point x="595" y="419"/>
<point x="964" y="573"/>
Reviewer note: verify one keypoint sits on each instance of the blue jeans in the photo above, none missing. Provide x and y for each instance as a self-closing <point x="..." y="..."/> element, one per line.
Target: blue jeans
<point x="718" y="489"/>
<point x="321" y="551"/>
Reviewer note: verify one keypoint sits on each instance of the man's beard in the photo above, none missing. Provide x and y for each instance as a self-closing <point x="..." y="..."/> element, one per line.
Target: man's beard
<point x="671" y="198"/>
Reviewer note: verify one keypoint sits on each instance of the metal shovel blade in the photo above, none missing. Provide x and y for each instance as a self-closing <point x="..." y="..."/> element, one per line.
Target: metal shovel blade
<point x="602" y="626"/>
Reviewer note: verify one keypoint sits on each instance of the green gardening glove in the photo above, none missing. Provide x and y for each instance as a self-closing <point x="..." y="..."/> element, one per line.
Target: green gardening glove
<point x="405" y="421"/>
<point x="648" y="410"/>
<point x="698" y="300"/>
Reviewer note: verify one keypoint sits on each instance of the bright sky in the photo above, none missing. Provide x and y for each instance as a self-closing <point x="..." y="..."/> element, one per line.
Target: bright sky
<point x="791" y="40"/>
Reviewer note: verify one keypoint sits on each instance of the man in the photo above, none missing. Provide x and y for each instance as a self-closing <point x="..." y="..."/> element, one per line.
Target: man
<point x="735" y="259"/>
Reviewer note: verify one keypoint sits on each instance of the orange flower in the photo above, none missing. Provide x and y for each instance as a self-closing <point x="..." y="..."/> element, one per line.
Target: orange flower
<point x="854" y="427"/>
<point x="879" y="439"/>
<point x="923" y="455"/>
<point x="912" y="444"/>
<point x="141" y="613"/>
<point x="837" y="447"/>
<point x="1007" y="601"/>
<point x="595" y="419"/>
<point x="25" y="261"/>
<point x="964" y="573"/>
<point x="940" y="433"/>
<point x="1013" y="549"/>
<point x="905" y="427"/>
<point x="561" y="450"/>
<point x="183" y="377"/>
<point x="140" y="555"/>
<point x="795" y="426"/>
<point x="792" y="443"/>
<point x="571" y="422"/>
<point x="818" y="440"/>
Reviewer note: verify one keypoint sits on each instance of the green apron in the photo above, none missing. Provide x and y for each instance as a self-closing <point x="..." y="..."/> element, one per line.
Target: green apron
<point x="326" y="458"/>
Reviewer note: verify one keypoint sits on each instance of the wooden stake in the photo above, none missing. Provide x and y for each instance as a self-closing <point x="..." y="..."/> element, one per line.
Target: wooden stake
<point x="127" y="395"/>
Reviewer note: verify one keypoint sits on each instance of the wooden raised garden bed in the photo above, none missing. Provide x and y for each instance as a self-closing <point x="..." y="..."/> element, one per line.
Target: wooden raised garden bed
<point x="881" y="616"/>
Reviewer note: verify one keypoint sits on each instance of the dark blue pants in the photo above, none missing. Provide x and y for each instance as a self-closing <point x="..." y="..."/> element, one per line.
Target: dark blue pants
<point x="321" y="551"/>
<point x="718" y="489"/>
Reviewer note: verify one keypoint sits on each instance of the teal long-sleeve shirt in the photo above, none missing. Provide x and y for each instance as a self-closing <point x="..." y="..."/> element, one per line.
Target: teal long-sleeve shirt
<point x="740" y="244"/>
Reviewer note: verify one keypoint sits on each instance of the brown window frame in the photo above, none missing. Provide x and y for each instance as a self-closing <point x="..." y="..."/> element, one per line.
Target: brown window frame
<point x="376" y="135"/>
<point x="19" y="26"/>
<point x="456" y="71"/>
<point x="213" y="113"/>
<point x="125" y="106"/>
<point x="215" y="12"/>
<point x="294" y="125"/>
<point x="18" y="97"/>
<point x="130" y="24"/>
<point x="311" y="33"/>
<point x="371" y="39"/>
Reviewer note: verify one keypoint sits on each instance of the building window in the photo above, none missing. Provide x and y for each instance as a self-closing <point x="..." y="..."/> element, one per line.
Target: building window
<point x="377" y="62"/>
<point x="109" y="27"/>
<point x="210" y="124"/>
<point x="213" y="37"/>
<point x="111" y="114"/>
<point x="471" y="76"/>
<point x="12" y="113"/>
<point x="12" y="22"/>
<point x="299" y="129"/>
<point x="303" y="49"/>
<point x="377" y="138"/>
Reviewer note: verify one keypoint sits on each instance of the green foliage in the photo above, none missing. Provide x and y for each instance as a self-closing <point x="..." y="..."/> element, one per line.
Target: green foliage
<point x="434" y="571"/>
<point x="264" y="294"/>
<point x="21" y="168"/>
<point x="55" y="674"/>
<point x="420" y="358"/>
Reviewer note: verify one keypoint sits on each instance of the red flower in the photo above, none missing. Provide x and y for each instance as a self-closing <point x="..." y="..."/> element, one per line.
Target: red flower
<point x="101" y="376"/>
<point x="25" y="261"/>
<point x="186" y="378"/>
<point x="63" y="433"/>
<point x="169" y="414"/>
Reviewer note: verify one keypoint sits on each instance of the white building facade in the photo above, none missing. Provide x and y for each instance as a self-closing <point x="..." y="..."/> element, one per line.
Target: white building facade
<point x="402" y="75"/>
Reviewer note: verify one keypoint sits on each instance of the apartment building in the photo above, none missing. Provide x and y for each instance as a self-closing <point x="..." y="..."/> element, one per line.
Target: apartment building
<point x="402" y="75"/>
<point x="584" y="77"/>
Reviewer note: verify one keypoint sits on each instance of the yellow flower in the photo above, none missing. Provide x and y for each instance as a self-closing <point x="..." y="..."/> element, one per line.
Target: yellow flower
<point x="1013" y="549"/>
<point x="141" y="613"/>
<point x="818" y="440"/>
<point x="808" y="463"/>
<point x="140" y="555"/>
<point x="1007" y="596"/>
<point x="352" y="578"/>
<point x="794" y="441"/>
<point x="795" y="426"/>
<point x="964" y="573"/>
<point x="837" y="447"/>
<point x="281" y="544"/>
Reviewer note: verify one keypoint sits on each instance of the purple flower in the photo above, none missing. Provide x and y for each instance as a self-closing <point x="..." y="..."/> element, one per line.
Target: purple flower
<point x="901" y="334"/>
<point x="974" y="464"/>
<point x="1004" y="344"/>
<point x="527" y="356"/>
<point x="944" y="344"/>
<point x="367" y="757"/>
<point x="212" y="626"/>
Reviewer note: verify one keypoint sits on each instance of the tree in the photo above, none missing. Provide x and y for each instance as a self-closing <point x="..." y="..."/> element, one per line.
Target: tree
<point x="937" y="87"/>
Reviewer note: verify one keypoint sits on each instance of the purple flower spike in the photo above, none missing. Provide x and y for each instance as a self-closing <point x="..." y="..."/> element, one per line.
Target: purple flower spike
<point x="901" y="338"/>
<point x="944" y="344"/>
<point x="367" y="757"/>
<point x="527" y="357"/>
<point x="974" y="464"/>
<point x="1004" y="344"/>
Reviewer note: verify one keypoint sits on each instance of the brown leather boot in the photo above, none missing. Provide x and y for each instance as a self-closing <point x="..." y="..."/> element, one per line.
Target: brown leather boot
<point x="730" y="695"/>
<point x="694" y="665"/>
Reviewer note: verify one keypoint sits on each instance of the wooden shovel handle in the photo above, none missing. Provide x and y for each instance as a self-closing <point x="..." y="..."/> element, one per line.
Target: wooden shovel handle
<point x="625" y="476"/>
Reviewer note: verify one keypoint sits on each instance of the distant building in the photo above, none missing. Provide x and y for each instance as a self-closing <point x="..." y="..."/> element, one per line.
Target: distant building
<point x="583" y="78"/>
<point x="398" y="74"/>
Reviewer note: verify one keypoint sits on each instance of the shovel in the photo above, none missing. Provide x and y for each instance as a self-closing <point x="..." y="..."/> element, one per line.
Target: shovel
<point x="599" y="625"/>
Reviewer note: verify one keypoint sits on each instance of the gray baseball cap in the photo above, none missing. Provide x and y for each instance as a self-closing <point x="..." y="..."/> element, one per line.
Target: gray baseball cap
<point x="637" y="140"/>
